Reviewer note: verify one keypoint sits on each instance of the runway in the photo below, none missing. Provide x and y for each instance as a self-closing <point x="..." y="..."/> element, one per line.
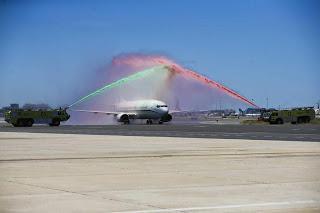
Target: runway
<point x="108" y="173"/>
<point x="286" y="132"/>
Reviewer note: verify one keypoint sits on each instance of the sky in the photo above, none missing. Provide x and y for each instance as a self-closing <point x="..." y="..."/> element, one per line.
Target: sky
<point x="261" y="49"/>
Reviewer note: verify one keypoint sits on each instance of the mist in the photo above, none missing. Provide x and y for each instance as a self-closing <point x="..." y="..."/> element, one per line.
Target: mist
<point x="178" y="91"/>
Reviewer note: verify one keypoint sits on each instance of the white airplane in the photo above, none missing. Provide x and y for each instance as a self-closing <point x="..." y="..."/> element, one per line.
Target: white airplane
<point x="142" y="109"/>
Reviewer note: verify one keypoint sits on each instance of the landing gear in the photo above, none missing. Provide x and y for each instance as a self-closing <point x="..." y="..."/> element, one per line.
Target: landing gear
<point x="126" y="122"/>
<point x="149" y="121"/>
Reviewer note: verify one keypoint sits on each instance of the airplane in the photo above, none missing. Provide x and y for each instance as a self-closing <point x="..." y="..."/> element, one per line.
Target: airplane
<point x="142" y="109"/>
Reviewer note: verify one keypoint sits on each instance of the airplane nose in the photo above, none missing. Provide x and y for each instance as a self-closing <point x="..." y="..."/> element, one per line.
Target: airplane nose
<point x="165" y="109"/>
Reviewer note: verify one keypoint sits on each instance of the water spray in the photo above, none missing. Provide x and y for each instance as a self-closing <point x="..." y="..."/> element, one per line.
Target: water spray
<point x="140" y="60"/>
<point x="135" y="76"/>
<point x="211" y="83"/>
<point x="160" y="64"/>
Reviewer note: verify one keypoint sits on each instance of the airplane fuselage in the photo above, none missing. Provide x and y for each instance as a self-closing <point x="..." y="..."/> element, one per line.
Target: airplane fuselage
<point x="144" y="109"/>
<point x="141" y="109"/>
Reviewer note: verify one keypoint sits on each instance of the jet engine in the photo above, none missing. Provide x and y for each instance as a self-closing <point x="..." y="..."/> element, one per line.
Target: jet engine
<point x="166" y="118"/>
<point x="122" y="117"/>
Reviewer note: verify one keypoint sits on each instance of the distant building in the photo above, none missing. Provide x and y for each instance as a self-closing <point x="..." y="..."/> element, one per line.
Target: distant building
<point x="253" y="112"/>
<point x="14" y="106"/>
<point x="203" y="114"/>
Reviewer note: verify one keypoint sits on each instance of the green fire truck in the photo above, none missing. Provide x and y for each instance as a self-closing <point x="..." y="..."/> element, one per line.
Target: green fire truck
<point x="28" y="117"/>
<point x="294" y="116"/>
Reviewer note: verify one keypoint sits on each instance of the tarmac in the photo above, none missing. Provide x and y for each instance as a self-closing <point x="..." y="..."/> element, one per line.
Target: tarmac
<point x="82" y="172"/>
<point x="287" y="132"/>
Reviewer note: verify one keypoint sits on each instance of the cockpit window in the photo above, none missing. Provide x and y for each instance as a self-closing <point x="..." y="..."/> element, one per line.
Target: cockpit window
<point x="158" y="106"/>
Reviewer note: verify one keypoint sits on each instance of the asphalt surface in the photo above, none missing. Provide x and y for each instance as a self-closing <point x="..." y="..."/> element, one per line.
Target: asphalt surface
<point x="285" y="132"/>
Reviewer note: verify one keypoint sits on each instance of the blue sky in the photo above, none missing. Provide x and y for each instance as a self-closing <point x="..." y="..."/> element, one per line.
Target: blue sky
<point x="48" y="49"/>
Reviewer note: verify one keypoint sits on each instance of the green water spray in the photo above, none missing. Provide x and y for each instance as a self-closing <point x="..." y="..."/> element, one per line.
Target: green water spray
<point x="135" y="76"/>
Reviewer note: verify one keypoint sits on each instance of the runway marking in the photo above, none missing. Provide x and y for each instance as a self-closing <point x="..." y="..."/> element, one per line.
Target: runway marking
<point x="285" y="203"/>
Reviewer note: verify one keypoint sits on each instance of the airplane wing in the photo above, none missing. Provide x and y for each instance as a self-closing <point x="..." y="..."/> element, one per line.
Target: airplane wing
<point x="96" y="112"/>
<point x="104" y="112"/>
<point x="185" y="111"/>
<point x="173" y="111"/>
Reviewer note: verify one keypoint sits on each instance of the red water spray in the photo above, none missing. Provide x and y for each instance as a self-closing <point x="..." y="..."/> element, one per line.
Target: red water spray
<point x="209" y="82"/>
<point x="139" y="61"/>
